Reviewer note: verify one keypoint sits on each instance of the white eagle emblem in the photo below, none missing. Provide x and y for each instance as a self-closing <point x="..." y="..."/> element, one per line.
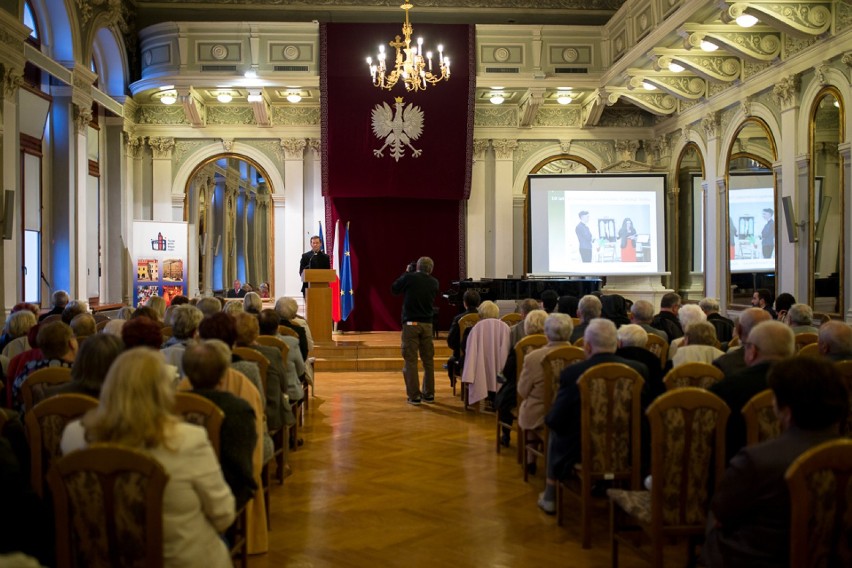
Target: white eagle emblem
<point x="399" y="129"/>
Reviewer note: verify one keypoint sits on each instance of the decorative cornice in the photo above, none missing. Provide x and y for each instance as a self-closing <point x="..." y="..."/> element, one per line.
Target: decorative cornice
<point x="797" y="18"/>
<point x="294" y="148"/>
<point x="761" y="43"/>
<point x="504" y="148"/>
<point x="162" y="147"/>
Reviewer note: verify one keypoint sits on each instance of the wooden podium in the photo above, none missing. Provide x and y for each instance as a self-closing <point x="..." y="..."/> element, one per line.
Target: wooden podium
<point x="318" y="301"/>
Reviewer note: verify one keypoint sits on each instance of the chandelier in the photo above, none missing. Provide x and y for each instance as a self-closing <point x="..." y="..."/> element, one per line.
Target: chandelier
<point x="411" y="64"/>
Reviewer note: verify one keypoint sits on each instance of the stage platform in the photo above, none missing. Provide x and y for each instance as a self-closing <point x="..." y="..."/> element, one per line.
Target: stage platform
<point x="370" y="351"/>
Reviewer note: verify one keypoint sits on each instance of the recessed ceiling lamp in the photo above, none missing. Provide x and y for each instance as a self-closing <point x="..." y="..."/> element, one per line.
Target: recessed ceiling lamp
<point x="675" y="67"/>
<point x="708" y="45"/>
<point x="564" y="98"/>
<point x="254" y="97"/>
<point x="169" y="98"/>
<point x="497" y="98"/>
<point x="746" y="20"/>
<point x="224" y="97"/>
<point x="251" y="73"/>
<point x="294" y="97"/>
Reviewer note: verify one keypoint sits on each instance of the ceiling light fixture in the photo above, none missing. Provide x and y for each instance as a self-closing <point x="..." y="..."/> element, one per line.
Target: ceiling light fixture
<point x="251" y="73"/>
<point x="294" y="97"/>
<point x="746" y="20"/>
<point x="169" y="98"/>
<point x="648" y="86"/>
<point x="410" y="63"/>
<point x="708" y="45"/>
<point x="564" y="99"/>
<point x="224" y="97"/>
<point x="255" y="97"/>
<point x="675" y="67"/>
<point x="497" y="98"/>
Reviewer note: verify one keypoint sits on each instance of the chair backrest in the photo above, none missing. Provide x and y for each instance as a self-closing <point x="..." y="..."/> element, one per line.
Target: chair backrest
<point x="820" y="485"/>
<point x="553" y="364"/>
<point x="820" y="318"/>
<point x="255" y="356"/>
<point x="101" y="324"/>
<point x="203" y="412"/>
<point x="845" y="370"/>
<point x="734" y="342"/>
<point x="760" y="420"/>
<point x="580" y="342"/>
<point x="33" y="388"/>
<point x="272" y="341"/>
<point x="286" y="330"/>
<point x="513" y="318"/>
<point x="700" y="375"/>
<point x="525" y="345"/>
<point x="466" y="322"/>
<point x="575" y="321"/>
<point x="610" y="415"/>
<point x="687" y="444"/>
<point x="809" y="350"/>
<point x="45" y="423"/>
<point x="659" y="347"/>
<point x="803" y="339"/>
<point x="51" y="319"/>
<point x="108" y="504"/>
<point x="167" y="332"/>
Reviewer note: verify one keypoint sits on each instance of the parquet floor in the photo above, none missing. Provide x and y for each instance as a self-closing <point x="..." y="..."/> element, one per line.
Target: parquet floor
<point x="382" y="483"/>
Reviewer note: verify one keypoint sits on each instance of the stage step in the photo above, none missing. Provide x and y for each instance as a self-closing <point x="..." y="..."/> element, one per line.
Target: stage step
<point x="360" y="353"/>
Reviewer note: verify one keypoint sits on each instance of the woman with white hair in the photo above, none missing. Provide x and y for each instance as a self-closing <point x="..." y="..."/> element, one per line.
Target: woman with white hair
<point x="688" y="315"/>
<point x="136" y="410"/>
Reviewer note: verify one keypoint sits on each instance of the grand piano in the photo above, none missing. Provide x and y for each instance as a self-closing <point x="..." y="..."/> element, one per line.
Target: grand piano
<point x="519" y="288"/>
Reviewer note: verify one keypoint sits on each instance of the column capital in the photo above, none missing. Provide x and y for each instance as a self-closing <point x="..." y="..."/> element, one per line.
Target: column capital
<point x="162" y="147"/>
<point x="294" y="148"/>
<point x="480" y="146"/>
<point x="710" y="125"/>
<point x="82" y="118"/>
<point x="786" y="92"/>
<point x="504" y="148"/>
<point x="315" y="144"/>
<point x="134" y="145"/>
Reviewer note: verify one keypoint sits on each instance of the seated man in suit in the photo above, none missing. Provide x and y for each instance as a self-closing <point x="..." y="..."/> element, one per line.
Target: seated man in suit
<point x="237" y="291"/>
<point x="835" y="340"/>
<point x="800" y="317"/>
<point x="768" y="342"/>
<point x="471" y="301"/>
<point x="724" y="326"/>
<point x="563" y="448"/>
<point x="589" y="308"/>
<point x="749" y="520"/>
<point x="734" y="359"/>
<point x="518" y="331"/>
<point x="667" y="319"/>
<point x="314" y="258"/>
<point x="60" y="300"/>
<point x="642" y="314"/>
<point x="631" y="345"/>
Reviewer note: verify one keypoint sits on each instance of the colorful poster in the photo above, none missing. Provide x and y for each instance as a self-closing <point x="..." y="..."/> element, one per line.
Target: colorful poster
<point x="159" y="260"/>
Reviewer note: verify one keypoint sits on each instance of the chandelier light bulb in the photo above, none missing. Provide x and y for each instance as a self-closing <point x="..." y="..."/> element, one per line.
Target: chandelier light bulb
<point x="675" y="67"/>
<point x="708" y="46"/>
<point x="746" y="20"/>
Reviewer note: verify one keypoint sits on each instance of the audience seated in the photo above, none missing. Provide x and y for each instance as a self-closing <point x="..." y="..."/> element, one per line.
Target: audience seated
<point x="506" y="399"/>
<point x="60" y="299"/>
<point x="699" y="344"/>
<point x="762" y="298"/>
<point x="286" y="309"/>
<point x="136" y="410"/>
<point x="471" y="301"/>
<point x="158" y="304"/>
<point x="209" y="306"/>
<point x="125" y="312"/>
<point x="783" y="303"/>
<point x="518" y="331"/>
<point x="687" y="315"/>
<point x="142" y="331"/>
<point x="295" y="369"/>
<point x="114" y="327"/>
<point x="800" y="318"/>
<point x="549" y="300"/>
<point x="252" y="304"/>
<point x="205" y="366"/>
<point x="614" y="308"/>
<point x="767" y="343"/>
<point x="83" y="326"/>
<point x="179" y="300"/>
<point x="588" y="308"/>
<point x="632" y="340"/>
<point x="15" y="341"/>
<point x="59" y="348"/>
<point x="486" y="349"/>
<point x="667" y="320"/>
<point x="568" y="305"/>
<point x="734" y="359"/>
<point x="74" y="308"/>
<point x="16" y="363"/>
<point x="557" y="328"/>
<point x="724" y="326"/>
<point x="91" y="365"/>
<point x="233" y="308"/>
<point x="563" y="420"/>
<point x="642" y="314"/>
<point x="749" y="520"/>
<point x="835" y="340"/>
<point x="185" y="321"/>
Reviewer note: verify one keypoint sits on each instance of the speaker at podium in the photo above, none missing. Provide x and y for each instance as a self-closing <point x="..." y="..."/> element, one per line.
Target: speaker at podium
<point x="318" y="301"/>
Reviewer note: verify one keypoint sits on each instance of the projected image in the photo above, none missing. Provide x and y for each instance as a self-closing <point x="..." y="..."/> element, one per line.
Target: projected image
<point x="596" y="224"/>
<point x="751" y="224"/>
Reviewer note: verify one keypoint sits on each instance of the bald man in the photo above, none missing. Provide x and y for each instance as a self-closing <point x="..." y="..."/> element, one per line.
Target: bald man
<point x="835" y="340"/>
<point x="734" y="360"/>
<point x="768" y="342"/>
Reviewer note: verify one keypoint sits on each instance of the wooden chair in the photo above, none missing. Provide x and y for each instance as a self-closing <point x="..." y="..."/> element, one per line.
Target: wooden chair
<point x="803" y="339"/>
<point x="51" y="319"/>
<point x="610" y="441"/>
<point x="735" y="342"/>
<point x="167" y="332"/>
<point x="820" y="485"/>
<point x="45" y="423"/>
<point x="820" y="318"/>
<point x="809" y="350"/>
<point x="279" y="436"/>
<point x="700" y="375"/>
<point x="465" y="323"/>
<point x="203" y="412"/>
<point x="760" y="419"/>
<point x="512" y="319"/>
<point x="32" y="389"/>
<point x="580" y="342"/>
<point x="845" y="371"/>
<point x="108" y="504"/>
<point x="575" y="321"/>
<point x="687" y="443"/>
<point x="522" y="347"/>
<point x="101" y="325"/>
<point x="659" y="347"/>
<point x="286" y="330"/>
<point x="553" y="364"/>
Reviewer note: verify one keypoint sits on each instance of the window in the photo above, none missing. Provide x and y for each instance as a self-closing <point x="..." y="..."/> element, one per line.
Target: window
<point x="31" y="22"/>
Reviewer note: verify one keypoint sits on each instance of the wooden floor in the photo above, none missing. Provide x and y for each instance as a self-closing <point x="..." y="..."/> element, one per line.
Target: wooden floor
<point x="382" y="483"/>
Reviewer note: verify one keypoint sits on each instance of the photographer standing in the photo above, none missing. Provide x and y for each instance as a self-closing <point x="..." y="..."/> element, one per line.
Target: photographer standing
<point x="420" y="289"/>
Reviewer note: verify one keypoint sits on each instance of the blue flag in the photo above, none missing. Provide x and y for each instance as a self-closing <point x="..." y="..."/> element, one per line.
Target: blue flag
<point x="322" y="240"/>
<point x="347" y="289"/>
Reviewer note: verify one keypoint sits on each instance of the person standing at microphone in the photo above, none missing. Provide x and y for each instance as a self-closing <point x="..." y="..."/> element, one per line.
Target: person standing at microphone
<point x="314" y="258"/>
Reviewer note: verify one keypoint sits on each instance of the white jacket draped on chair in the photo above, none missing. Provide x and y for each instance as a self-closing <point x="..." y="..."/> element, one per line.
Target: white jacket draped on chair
<point x="485" y="355"/>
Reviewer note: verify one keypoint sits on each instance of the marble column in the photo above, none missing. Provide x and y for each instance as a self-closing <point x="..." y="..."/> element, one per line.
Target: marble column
<point x="502" y="237"/>
<point x="293" y="219"/>
<point x="475" y="218"/>
<point x="162" y="149"/>
<point x="715" y="220"/>
<point x="790" y="257"/>
<point x="283" y="271"/>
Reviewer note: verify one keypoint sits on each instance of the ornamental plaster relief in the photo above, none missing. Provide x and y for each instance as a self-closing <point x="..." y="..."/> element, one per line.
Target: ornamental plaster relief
<point x="496" y="117"/>
<point x="227" y="114"/>
<point x="185" y="148"/>
<point x="161" y="115"/>
<point x="525" y="150"/>
<point x="793" y="45"/>
<point x="604" y="150"/>
<point x="296" y="116"/>
<point x="445" y="4"/>
<point x="624" y="118"/>
<point x="557" y="117"/>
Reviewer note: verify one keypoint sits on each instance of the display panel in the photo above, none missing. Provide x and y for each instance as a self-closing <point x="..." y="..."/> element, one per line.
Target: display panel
<point x="596" y="224"/>
<point x="751" y="231"/>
